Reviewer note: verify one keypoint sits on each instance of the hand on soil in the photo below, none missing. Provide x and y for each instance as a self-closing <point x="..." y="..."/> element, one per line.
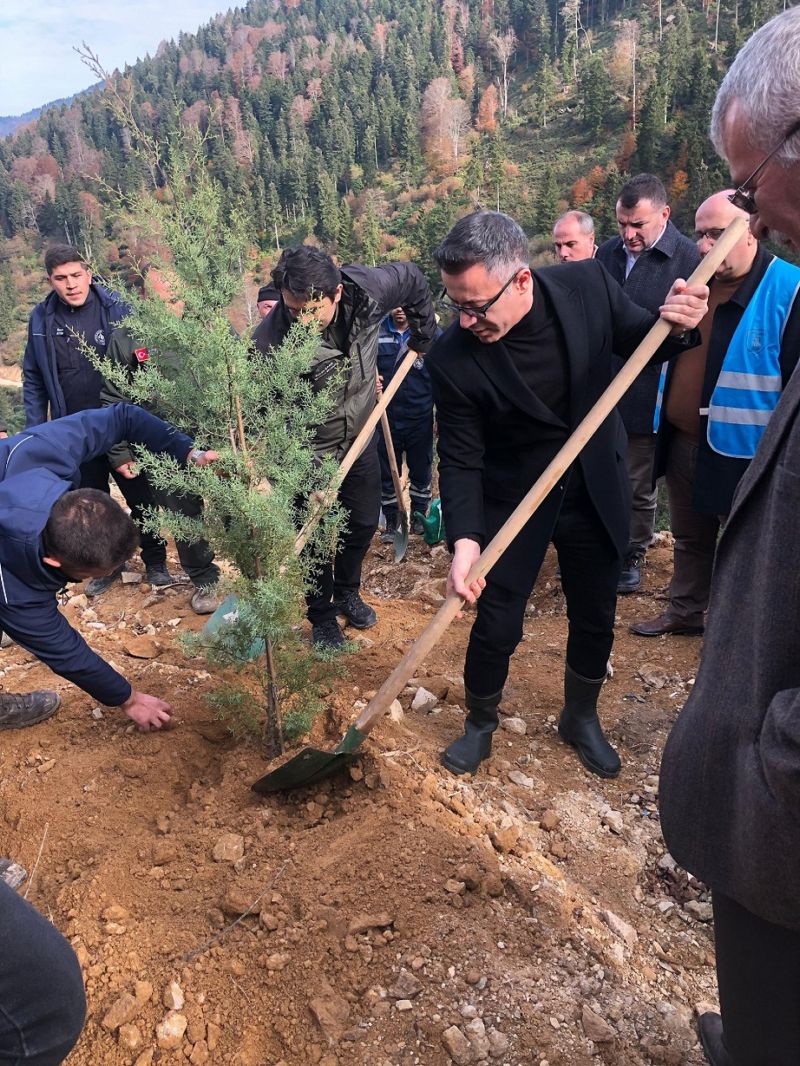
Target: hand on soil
<point x="464" y="558"/>
<point x="148" y="712"/>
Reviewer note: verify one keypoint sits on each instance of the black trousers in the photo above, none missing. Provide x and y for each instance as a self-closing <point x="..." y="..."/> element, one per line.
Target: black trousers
<point x="414" y="440"/>
<point x="590" y="567"/>
<point x="138" y="494"/>
<point x="758" y="972"/>
<point x="197" y="558"/>
<point x="42" y="1004"/>
<point x="360" y="495"/>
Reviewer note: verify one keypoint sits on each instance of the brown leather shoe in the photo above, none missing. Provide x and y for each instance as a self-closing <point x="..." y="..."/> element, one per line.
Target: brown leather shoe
<point x="665" y="623"/>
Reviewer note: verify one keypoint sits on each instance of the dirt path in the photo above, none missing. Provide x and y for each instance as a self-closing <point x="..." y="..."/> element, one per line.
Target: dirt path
<point x="397" y="915"/>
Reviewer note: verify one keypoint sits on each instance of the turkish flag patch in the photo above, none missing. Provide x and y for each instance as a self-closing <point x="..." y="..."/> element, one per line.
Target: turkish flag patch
<point x="141" y="354"/>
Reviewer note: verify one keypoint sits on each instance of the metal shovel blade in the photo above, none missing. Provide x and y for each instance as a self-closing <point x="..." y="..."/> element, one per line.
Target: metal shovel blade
<point x="310" y="765"/>
<point x="401" y="538"/>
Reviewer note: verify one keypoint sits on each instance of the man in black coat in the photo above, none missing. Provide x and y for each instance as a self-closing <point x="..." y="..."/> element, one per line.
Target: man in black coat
<point x="730" y="777"/>
<point x="527" y="358"/>
<point x="647" y="256"/>
<point x="349" y="305"/>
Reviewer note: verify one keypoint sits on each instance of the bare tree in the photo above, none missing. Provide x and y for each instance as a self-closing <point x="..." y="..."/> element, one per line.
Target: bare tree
<point x="503" y="45"/>
<point x="458" y="122"/>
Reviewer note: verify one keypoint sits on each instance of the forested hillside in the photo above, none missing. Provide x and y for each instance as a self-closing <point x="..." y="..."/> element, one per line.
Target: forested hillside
<point x="369" y="124"/>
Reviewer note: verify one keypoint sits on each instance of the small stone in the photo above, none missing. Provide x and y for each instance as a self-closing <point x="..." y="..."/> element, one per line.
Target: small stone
<point x="268" y="921"/>
<point x="550" y="821"/>
<point x="332" y="1013"/>
<point x="396" y="712"/>
<point x="476" y="1034"/>
<point x="362" y="923"/>
<point x="200" y="1054"/>
<point x="514" y="725"/>
<point x="702" y="911"/>
<point x="277" y="962"/>
<point x="123" y="1010"/>
<point x="457" y="1046"/>
<point x="406" y="986"/>
<point x="457" y="888"/>
<point x="46" y="766"/>
<point x="404" y="1004"/>
<point x="516" y="777"/>
<point x="164" y="851"/>
<point x="143" y="991"/>
<point x="506" y="836"/>
<point x="423" y="700"/>
<point x="229" y="848"/>
<point x="130" y="1038"/>
<point x="235" y="901"/>
<point x="498" y="1043"/>
<point x="619" y="927"/>
<point x="471" y="874"/>
<point x="595" y="1027"/>
<point x="97" y="714"/>
<point x="130" y="577"/>
<point x="144" y="647"/>
<point x="173" y="998"/>
<point x="169" y="1032"/>
<point x="613" y="821"/>
<point x="493" y="886"/>
<point x="79" y="601"/>
<point x="146" y="1058"/>
<point x="115" y="913"/>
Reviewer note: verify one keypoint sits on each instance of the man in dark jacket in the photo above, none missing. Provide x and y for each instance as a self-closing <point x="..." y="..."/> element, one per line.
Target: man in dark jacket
<point x="646" y="258"/>
<point x="349" y="305"/>
<point x="410" y="418"/>
<point x="715" y="402"/>
<point x="524" y="363"/>
<point x="58" y="380"/>
<point x="730" y="777"/>
<point x="50" y="534"/>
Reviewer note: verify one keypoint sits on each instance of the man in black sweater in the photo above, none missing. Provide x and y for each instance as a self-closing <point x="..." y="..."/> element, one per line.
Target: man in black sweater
<point x="524" y="363"/>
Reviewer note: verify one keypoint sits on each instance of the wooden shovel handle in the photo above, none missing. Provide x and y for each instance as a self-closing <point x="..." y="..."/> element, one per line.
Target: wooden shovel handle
<point x="354" y="451"/>
<point x="556" y="469"/>
<point x="387" y="440"/>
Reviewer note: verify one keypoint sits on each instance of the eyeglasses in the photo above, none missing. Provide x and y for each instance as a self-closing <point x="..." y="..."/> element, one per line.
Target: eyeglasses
<point x="712" y="235"/>
<point x="745" y="198"/>
<point x="475" y="312"/>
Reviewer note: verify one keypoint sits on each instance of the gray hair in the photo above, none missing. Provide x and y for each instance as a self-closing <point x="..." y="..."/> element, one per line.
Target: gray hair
<point x="490" y="238"/>
<point x="764" y="80"/>
<point x="584" y="220"/>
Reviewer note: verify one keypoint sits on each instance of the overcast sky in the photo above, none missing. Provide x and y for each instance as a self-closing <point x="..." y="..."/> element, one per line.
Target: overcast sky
<point x="37" y="61"/>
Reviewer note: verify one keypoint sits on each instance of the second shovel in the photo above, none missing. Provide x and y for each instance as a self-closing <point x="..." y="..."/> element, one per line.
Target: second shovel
<point x="401" y="533"/>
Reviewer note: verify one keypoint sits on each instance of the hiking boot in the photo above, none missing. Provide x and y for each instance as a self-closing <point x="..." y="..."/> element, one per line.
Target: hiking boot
<point x="665" y="623"/>
<point x="98" y="585"/>
<point x="392" y="525"/>
<point x="631" y="577"/>
<point x="205" y="601"/>
<point x="327" y="636"/>
<point x="416" y="526"/>
<point x="358" y="614"/>
<point x="159" y="576"/>
<point x="580" y="726"/>
<point x="712" y="1038"/>
<point x="18" y="711"/>
<point x="12" y="873"/>
<point x="465" y="755"/>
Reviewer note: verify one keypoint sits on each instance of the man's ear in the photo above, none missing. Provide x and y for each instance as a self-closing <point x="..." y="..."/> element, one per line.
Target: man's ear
<point x="339" y="291"/>
<point x="51" y="561"/>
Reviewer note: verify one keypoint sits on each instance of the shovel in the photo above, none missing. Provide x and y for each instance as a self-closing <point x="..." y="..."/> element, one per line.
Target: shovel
<point x="311" y="764"/>
<point x="400" y="534"/>
<point x="226" y="613"/>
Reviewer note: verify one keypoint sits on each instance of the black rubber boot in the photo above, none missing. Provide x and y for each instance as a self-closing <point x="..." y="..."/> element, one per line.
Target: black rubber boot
<point x="580" y="726"/>
<point x="712" y="1039"/>
<point x="465" y="755"/>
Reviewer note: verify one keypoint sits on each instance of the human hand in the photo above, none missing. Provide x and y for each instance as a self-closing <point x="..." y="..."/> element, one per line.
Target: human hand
<point x="685" y="306"/>
<point x="464" y="558"/>
<point x="200" y="458"/>
<point x="148" y="712"/>
<point x="378" y="386"/>
<point x="3" y="434"/>
<point x="127" y="470"/>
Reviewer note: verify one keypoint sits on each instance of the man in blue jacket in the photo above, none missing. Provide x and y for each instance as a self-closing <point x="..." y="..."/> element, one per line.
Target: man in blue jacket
<point x="410" y="417"/>
<point x="52" y="531"/>
<point x="59" y="380"/>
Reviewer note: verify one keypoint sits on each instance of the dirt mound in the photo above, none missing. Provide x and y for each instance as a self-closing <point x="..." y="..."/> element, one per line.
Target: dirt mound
<point x="396" y="915"/>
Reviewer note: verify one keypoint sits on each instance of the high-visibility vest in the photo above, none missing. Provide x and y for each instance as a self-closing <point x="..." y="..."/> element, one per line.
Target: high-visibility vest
<point x="750" y="382"/>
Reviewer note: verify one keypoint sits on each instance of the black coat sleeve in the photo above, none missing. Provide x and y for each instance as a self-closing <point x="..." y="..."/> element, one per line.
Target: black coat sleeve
<point x="461" y="458"/>
<point x="42" y="630"/>
<point x="400" y="285"/>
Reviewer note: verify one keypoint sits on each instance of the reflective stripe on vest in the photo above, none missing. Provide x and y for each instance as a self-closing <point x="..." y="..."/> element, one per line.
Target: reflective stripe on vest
<point x="750" y="383"/>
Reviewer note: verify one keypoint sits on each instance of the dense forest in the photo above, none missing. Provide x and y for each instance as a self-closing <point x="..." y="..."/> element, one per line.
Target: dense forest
<point x="368" y="125"/>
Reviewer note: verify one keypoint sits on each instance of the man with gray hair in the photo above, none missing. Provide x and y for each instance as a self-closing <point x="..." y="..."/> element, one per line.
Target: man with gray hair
<point x="730" y="777"/>
<point x="573" y="237"/>
<point x="527" y="356"/>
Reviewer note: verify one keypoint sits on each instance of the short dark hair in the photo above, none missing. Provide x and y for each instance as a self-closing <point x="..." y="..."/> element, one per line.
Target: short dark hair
<point x="59" y="254"/>
<point x="306" y="271"/>
<point x="87" y="530"/>
<point x="643" y="187"/>
<point x="490" y="238"/>
<point x="268" y="292"/>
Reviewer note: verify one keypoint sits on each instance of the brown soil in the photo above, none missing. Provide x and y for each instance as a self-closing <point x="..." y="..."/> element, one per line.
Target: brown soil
<point x="387" y="906"/>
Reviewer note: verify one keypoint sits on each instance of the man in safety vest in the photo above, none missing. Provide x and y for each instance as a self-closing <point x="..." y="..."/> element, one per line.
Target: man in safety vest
<point x="714" y="404"/>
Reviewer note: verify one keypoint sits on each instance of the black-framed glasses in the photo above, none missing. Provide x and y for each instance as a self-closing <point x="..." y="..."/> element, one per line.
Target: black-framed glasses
<point x="712" y="235"/>
<point x="745" y="198"/>
<point x="475" y="312"/>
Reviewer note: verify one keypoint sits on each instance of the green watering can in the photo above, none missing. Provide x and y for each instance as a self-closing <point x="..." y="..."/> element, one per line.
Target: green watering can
<point x="432" y="523"/>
